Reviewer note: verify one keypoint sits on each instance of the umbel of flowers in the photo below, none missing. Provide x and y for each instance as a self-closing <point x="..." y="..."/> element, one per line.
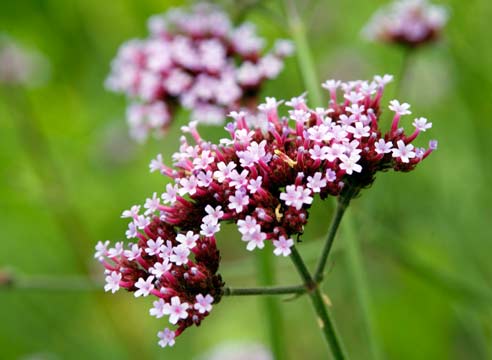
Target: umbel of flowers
<point x="261" y="178"/>
<point x="407" y="22"/>
<point x="196" y="59"/>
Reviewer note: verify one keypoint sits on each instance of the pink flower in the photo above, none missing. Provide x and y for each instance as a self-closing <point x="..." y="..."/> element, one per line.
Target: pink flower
<point x="154" y="247"/>
<point x="133" y="253"/>
<point x="248" y="226"/>
<point x="403" y="152"/>
<point x="255" y="239"/>
<point x="238" y="201"/>
<point x="144" y="286"/>
<point x="383" y="147"/>
<point x="316" y="182"/>
<point x="180" y="254"/>
<point x="409" y="23"/>
<point x="209" y="229"/>
<point x="238" y="180"/>
<point x="176" y="310"/>
<point x="207" y="70"/>
<point x="158" y="309"/>
<point x="349" y="163"/>
<point x="224" y="170"/>
<point x="166" y="338"/>
<point x="203" y="303"/>
<point x="116" y="251"/>
<point x="169" y="196"/>
<point x="101" y="250"/>
<point x="132" y="213"/>
<point x="113" y="282"/>
<point x="263" y="180"/>
<point x="160" y="268"/>
<point x="282" y="246"/>
<point x="421" y="124"/>
<point x="189" y="240"/>
<point x="296" y="196"/>
<point x="399" y="109"/>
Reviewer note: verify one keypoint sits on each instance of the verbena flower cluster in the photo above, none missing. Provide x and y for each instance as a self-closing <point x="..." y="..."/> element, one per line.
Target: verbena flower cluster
<point x="178" y="268"/>
<point x="407" y="22"/>
<point x="261" y="178"/>
<point x="195" y="59"/>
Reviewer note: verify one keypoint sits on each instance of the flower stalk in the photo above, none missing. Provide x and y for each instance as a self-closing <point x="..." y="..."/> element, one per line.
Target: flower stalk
<point x="9" y="280"/>
<point x="407" y="56"/>
<point x="326" y="324"/>
<point x="272" y="290"/>
<point x="342" y="204"/>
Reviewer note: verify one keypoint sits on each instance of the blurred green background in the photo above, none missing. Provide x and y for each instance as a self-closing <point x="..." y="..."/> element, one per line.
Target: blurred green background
<point x="424" y="236"/>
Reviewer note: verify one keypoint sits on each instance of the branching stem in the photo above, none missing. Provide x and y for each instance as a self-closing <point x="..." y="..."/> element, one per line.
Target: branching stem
<point x="342" y="204"/>
<point x="326" y="324"/>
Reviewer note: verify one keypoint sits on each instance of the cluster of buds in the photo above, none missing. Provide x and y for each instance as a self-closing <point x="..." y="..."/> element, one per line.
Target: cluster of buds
<point x="195" y="59"/>
<point x="407" y="22"/>
<point x="178" y="269"/>
<point x="263" y="179"/>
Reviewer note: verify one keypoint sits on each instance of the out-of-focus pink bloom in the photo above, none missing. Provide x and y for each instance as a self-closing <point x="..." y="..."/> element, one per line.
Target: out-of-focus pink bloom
<point x="195" y="59"/>
<point x="407" y="22"/>
<point x="21" y="66"/>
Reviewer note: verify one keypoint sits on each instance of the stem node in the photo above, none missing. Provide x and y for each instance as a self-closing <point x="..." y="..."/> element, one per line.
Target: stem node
<point x="323" y="317"/>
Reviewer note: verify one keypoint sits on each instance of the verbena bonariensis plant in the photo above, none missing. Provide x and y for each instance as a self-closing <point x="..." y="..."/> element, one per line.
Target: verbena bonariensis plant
<point x="410" y="23"/>
<point x="264" y="180"/>
<point x="195" y="59"/>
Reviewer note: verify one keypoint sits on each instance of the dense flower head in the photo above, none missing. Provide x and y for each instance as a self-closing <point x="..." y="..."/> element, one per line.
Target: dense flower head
<point x="196" y="59"/>
<point x="407" y="22"/>
<point x="261" y="178"/>
<point x="178" y="269"/>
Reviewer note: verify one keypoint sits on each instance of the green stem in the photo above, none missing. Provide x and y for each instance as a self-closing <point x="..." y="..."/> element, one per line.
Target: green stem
<point x="335" y="223"/>
<point x="404" y="68"/>
<point x="355" y="265"/>
<point x="326" y="324"/>
<point x="273" y="290"/>
<point x="9" y="280"/>
<point x="457" y="288"/>
<point x="271" y="306"/>
<point x="245" y="268"/>
<point x="303" y="53"/>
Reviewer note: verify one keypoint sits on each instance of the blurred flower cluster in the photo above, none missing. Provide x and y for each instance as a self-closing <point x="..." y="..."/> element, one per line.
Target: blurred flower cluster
<point x="263" y="178"/>
<point x="195" y="59"/>
<point x="407" y="22"/>
<point x="21" y="66"/>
